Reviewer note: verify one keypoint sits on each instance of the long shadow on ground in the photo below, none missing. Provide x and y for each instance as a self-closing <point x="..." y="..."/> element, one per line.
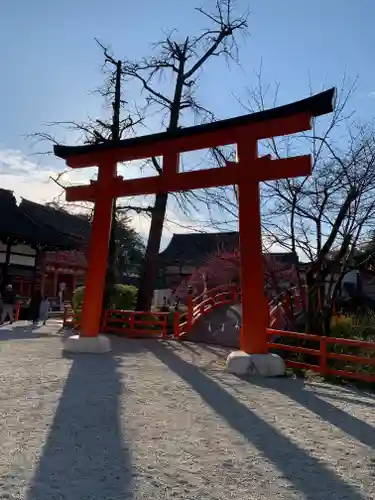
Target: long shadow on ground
<point x="296" y="391"/>
<point x="310" y="476"/>
<point x="23" y="331"/>
<point x="85" y="456"/>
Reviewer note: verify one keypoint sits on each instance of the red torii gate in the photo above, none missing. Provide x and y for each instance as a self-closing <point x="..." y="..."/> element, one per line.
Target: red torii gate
<point x="247" y="173"/>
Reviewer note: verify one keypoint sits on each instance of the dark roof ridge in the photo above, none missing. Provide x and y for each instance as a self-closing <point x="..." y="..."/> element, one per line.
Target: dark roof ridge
<point x="316" y="105"/>
<point x="20" y="226"/>
<point x="74" y="236"/>
<point x="52" y="208"/>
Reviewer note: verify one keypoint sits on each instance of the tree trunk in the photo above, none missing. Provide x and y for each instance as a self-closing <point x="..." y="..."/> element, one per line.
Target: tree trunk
<point x="149" y="268"/>
<point x="111" y="275"/>
<point x="313" y="315"/>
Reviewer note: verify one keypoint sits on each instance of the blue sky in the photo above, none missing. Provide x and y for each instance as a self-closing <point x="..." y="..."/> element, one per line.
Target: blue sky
<point x="50" y="63"/>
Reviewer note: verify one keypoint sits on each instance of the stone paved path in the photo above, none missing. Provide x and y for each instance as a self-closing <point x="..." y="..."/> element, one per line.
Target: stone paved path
<point x="157" y="420"/>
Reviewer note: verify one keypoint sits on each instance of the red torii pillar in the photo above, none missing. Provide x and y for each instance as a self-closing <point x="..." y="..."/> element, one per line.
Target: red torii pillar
<point x="247" y="173"/>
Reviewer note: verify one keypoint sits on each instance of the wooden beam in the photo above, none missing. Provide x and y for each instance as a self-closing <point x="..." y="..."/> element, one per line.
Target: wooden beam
<point x="163" y="144"/>
<point x="263" y="169"/>
<point x="284" y="168"/>
<point x="316" y="105"/>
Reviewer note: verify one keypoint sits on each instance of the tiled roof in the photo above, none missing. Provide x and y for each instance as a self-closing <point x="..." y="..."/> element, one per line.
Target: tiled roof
<point x="16" y="222"/>
<point x="196" y="247"/>
<point x="74" y="225"/>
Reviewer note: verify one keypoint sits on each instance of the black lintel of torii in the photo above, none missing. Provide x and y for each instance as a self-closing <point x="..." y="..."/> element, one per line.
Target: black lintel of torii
<point x="316" y="105"/>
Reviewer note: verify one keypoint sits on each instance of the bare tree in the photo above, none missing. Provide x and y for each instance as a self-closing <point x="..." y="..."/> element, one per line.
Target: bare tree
<point x="182" y="60"/>
<point x="324" y="217"/>
<point x="96" y="131"/>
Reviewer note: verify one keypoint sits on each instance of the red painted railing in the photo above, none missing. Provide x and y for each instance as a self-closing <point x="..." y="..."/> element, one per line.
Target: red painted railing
<point x="135" y="323"/>
<point x="323" y="354"/>
<point x="127" y="323"/>
<point x="132" y="323"/>
<point x="203" y="304"/>
<point x="156" y="324"/>
<point x="279" y="309"/>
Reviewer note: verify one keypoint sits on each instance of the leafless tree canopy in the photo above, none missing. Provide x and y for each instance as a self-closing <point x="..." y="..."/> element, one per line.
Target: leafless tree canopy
<point x="325" y="217"/>
<point x="168" y="83"/>
<point x="169" y="77"/>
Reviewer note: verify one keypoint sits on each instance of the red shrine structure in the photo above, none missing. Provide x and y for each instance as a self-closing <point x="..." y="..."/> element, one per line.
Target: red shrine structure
<point x="249" y="170"/>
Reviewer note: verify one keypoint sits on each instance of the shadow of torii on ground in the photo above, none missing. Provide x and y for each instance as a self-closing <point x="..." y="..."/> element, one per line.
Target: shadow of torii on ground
<point x="312" y="477"/>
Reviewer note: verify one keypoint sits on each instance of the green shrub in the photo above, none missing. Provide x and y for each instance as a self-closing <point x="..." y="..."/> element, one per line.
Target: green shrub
<point x="356" y="328"/>
<point x="77" y="299"/>
<point x="341" y="326"/>
<point x="122" y="297"/>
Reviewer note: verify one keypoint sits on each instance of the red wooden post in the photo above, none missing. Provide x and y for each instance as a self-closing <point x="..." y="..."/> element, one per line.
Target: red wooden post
<point x="104" y="321"/>
<point x="165" y="327"/>
<point x="323" y="355"/>
<point x="255" y="314"/>
<point x="131" y="321"/>
<point x="98" y="253"/>
<point x="190" y="309"/>
<point x="248" y="173"/>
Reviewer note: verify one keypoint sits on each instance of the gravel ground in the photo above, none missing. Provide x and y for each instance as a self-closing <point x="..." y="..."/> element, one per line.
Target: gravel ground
<point x="160" y="420"/>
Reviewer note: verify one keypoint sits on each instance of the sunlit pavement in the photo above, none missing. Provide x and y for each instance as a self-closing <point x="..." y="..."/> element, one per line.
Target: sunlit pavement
<point x="163" y="420"/>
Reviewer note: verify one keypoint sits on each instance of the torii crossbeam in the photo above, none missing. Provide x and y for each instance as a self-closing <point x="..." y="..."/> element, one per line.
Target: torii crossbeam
<point x="247" y="173"/>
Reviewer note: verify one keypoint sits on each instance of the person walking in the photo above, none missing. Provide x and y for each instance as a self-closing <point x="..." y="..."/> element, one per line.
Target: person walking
<point x="9" y="300"/>
<point x="43" y="309"/>
<point x="34" y="306"/>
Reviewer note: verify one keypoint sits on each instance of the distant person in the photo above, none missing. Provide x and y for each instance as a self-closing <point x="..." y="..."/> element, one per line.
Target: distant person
<point x="34" y="306"/>
<point x="9" y="300"/>
<point x="43" y="309"/>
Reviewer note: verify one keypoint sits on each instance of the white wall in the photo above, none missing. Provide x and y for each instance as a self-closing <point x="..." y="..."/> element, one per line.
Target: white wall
<point x="158" y="300"/>
<point x="21" y="255"/>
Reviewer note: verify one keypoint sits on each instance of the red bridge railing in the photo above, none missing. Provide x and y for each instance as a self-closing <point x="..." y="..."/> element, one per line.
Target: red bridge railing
<point x="317" y="348"/>
<point x="136" y="324"/>
<point x="323" y="353"/>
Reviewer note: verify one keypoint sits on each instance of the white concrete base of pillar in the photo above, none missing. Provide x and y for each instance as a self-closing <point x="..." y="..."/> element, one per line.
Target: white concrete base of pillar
<point x="261" y="365"/>
<point x="94" y="345"/>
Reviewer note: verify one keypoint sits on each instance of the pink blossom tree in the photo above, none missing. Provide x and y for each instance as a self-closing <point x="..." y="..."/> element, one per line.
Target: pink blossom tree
<point x="224" y="268"/>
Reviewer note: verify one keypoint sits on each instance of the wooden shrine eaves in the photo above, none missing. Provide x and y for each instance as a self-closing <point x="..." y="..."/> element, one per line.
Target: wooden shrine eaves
<point x="160" y="143"/>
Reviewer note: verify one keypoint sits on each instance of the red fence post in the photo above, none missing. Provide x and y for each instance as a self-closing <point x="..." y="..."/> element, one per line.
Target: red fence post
<point x="190" y="306"/>
<point x="323" y="356"/>
<point x="131" y="322"/>
<point x="164" y="333"/>
<point x="104" y="321"/>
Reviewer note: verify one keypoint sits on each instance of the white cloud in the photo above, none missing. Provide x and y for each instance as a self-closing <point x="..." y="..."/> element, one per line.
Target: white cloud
<point x="26" y="178"/>
<point x="31" y="180"/>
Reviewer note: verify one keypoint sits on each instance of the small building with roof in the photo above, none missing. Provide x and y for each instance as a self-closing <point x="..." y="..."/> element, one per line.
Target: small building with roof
<point x="188" y="251"/>
<point x="40" y="246"/>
